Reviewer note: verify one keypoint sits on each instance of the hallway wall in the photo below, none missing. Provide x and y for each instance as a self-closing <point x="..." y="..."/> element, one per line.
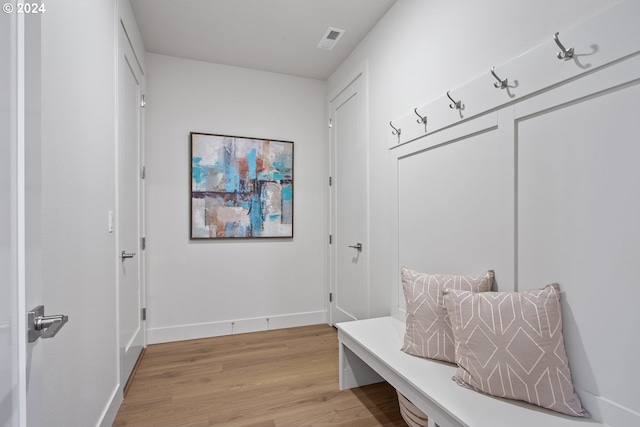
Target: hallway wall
<point x="198" y="288"/>
<point x="416" y="53"/>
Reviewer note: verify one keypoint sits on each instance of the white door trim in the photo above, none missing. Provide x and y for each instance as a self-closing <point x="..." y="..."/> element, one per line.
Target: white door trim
<point x="359" y="72"/>
<point x="124" y="39"/>
<point x="24" y="201"/>
<point x="20" y="243"/>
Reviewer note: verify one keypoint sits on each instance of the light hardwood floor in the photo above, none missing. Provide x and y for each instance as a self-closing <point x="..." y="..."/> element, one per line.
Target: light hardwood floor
<point x="281" y="378"/>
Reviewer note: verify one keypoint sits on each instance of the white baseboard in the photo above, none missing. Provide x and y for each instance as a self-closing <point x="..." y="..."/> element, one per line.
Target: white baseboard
<point x="111" y="410"/>
<point x="605" y="410"/>
<point x="229" y="327"/>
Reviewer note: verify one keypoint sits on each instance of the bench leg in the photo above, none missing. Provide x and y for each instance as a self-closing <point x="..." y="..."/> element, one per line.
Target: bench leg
<point x="354" y="372"/>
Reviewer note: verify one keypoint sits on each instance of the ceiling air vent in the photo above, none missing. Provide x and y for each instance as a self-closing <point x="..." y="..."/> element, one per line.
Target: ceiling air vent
<point x="330" y="38"/>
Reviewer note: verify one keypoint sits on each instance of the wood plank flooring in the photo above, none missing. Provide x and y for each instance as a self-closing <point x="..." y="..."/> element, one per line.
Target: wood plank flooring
<point x="281" y="378"/>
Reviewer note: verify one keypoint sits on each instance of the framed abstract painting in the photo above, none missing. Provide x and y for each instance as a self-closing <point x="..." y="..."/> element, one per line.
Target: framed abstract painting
<point x="240" y="187"/>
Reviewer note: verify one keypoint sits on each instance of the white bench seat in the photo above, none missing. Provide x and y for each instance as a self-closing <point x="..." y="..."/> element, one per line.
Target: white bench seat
<point x="370" y="352"/>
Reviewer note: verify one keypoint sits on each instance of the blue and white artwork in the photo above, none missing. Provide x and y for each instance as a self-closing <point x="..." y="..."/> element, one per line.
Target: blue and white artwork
<point x="240" y="187"/>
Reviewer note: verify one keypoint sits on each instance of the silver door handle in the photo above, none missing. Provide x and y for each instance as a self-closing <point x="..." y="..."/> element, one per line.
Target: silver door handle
<point x="125" y="255"/>
<point x="357" y="246"/>
<point x="41" y="326"/>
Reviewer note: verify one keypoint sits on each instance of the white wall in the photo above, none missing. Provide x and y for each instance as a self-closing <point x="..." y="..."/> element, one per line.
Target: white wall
<point x="416" y="53"/>
<point x="199" y="288"/>
<point x="78" y="174"/>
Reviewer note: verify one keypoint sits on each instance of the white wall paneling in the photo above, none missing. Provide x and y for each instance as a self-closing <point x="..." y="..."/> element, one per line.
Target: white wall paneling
<point x="577" y="213"/>
<point x="454" y="203"/>
<point x="415" y="54"/>
<point x="542" y="190"/>
<point x="594" y="46"/>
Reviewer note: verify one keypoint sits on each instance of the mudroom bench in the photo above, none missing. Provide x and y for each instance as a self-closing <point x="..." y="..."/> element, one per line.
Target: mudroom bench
<point x="370" y="353"/>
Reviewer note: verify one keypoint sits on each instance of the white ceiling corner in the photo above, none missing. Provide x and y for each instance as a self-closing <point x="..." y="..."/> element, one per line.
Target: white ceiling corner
<point x="279" y="36"/>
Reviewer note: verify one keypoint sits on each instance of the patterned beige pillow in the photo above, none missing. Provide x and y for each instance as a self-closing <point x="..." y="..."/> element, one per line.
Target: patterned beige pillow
<point x="428" y="331"/>
<point x="510" y="344"/>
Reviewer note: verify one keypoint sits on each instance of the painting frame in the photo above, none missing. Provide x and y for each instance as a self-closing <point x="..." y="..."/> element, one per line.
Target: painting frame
<point x="240" y="187"/>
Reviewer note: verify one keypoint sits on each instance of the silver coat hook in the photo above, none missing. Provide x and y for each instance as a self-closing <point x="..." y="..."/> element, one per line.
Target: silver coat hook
<point x="564" y="54"/>
<point x="502" y="83"/>
<point x="456" y="104"/>
<point x="422" y="120"/>
<point x="395" y="131"/>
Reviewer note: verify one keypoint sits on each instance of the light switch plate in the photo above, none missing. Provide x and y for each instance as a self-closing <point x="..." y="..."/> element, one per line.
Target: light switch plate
<point x="111" y="222"/>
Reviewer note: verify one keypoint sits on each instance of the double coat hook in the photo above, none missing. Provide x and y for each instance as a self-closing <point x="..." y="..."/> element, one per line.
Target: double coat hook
<point x="564" y="53"/>
<point x="421" y="119"/>
<point x="395" y="131"/>
<point x="502" y="84"/>
<point x="456" y="104"/>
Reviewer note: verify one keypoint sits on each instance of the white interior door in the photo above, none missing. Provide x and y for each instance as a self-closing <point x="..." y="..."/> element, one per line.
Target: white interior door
<point x="20" y="281"/>
<point x="128" y="210"/>
<point x="349" y="287"/>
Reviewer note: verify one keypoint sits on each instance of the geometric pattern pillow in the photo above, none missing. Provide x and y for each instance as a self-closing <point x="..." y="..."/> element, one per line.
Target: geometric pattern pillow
<point x="428" y="330"/>
<point x="510" y="344"/>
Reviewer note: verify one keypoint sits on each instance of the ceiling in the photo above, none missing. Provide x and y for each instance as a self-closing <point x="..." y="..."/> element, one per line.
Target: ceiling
<point x="279" y="36"/>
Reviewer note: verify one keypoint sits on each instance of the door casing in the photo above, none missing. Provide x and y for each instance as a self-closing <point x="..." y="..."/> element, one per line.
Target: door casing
<point x="349" y="199"/>
<point x="129" y="207"/>
<point x="21" y="361"/>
